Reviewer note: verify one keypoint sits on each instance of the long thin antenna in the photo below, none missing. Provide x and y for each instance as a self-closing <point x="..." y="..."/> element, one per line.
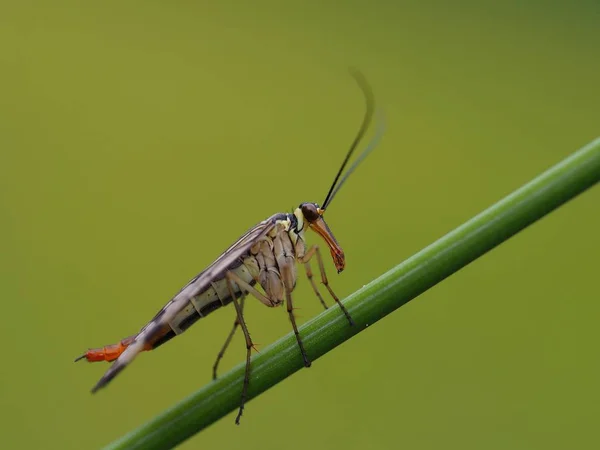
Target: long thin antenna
<point x="372" y="144"/>
<point x="370" y="105"/>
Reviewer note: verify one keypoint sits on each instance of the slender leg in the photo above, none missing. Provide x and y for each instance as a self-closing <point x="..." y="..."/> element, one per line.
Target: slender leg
<point x="236" y="323"/>
<point x="244" y="286"/>
<point x="251" y="290"/>
<point x="285" y="271"/>
<point x="309" y="275"/>
<point x="309" y="254"/>
<point x="249" y="345"/>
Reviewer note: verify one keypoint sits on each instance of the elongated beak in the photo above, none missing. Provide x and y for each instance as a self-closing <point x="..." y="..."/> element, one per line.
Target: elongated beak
<point x="321" y="228"/>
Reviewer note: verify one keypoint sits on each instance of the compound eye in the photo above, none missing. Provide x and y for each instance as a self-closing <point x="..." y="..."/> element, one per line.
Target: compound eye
<point x="310" y="211"/>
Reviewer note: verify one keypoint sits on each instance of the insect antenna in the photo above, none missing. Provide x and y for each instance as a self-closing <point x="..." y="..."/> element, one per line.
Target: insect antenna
<point x="370" y="106"/>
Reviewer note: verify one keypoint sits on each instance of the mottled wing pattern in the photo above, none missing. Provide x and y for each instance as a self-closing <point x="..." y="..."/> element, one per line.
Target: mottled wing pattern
<point x="200" y="282"/>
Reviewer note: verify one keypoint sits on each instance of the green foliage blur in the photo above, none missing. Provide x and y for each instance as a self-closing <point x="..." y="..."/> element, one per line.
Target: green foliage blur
<point x="138" y="140"/>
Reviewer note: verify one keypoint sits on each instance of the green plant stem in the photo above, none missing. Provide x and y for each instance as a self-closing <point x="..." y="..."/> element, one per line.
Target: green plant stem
<point x="376" y="300"/>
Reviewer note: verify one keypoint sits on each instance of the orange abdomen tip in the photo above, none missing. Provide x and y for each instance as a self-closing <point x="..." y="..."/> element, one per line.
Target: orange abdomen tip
<point x="107" y="353"/>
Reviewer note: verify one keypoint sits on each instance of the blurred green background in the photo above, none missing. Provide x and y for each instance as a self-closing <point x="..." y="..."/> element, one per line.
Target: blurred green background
<point x="138" y="140"/>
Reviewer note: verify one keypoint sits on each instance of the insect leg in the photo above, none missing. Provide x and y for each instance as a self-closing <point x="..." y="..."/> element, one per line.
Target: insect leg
<point x="287" y="282"/>
<point x="309" y="275"/>
<point x="251" y="290"/>
<point x="249" y="344"/>
<point x="308" y="255"/>
<point x="231" y="334"/>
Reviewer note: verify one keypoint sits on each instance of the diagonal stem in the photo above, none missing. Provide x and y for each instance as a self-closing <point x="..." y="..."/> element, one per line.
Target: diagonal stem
<point x="387" y="293"/>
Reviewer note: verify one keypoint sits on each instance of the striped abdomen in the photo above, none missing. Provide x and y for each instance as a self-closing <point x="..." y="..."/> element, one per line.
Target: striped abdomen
<point x="262" y="263"/>
<point x="211" y="299"/>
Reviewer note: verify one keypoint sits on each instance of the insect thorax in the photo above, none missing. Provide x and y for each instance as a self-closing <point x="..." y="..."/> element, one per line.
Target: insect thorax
<point x="274" y="257"/>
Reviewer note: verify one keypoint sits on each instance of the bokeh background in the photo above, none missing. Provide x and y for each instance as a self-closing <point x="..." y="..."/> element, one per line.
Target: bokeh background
<point x="139" y="139"/>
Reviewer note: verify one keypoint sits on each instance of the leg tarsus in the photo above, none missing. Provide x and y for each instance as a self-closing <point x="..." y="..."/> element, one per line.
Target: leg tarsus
<point x="249" y="344"/>
<point x="290" y="309"/>
<point x="236" y="323"/>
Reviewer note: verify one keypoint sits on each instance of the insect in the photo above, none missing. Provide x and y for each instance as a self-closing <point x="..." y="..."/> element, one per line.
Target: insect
<point x="265" y="256"/>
